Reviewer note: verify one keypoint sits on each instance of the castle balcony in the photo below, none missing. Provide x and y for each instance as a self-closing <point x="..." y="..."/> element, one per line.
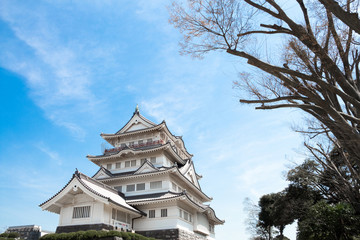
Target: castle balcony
<point x="134" y="146"/>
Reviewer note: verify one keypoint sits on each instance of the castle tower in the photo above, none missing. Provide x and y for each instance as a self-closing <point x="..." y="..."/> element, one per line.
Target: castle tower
<point x="150" y="183"/>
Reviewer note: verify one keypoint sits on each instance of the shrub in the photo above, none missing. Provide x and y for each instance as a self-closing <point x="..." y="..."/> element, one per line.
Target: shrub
<point x="92" y="234"/>
<point x="13" y="235"/>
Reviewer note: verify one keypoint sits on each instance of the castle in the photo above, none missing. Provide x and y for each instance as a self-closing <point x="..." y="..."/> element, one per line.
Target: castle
<point x="146" y="183"/>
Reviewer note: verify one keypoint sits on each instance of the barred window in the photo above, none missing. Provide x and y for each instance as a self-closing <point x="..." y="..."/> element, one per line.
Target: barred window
<point x="164" y="212"/>
<point x="123" y="145"/>
<point x="151" y="213"/>
<point x="108" y="166"/>
<point x="119" y="188"/>
<point x="81" y="212"/>
<point x="140" y="142"/>
<point x="185" y="215"/>
<point x="127" y="164"/>
<point x="140" y="186"/>
<point x="149" y="140"/>
<point x="133" y="163"/>
<point x="143" y="160"/>
<point x="130" y="188"/>
<point x="118" y="165"/>
<point x="156" y="185"/>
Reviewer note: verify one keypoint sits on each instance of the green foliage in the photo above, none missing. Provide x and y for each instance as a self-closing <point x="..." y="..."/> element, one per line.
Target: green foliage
<point x="9" y="236"/>
<point x="329" y="222"/>
<point x="92" y="234"/>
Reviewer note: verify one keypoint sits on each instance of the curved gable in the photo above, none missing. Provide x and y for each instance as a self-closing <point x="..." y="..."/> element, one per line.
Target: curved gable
<point x="137" y="122"/>
<point x="188" y="170"/>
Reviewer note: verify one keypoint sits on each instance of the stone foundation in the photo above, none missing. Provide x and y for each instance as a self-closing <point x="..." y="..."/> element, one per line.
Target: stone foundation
<point x="172" y="234"/>
<point x="75" y="228"/>
<point x="184" y="235"/>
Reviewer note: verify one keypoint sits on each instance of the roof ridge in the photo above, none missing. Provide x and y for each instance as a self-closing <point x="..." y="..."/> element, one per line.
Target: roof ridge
<point x="73" y="176"/>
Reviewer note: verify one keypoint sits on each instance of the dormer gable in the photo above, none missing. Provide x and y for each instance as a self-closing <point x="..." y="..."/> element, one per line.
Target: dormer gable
<point x="188" y="170"/>
<point x="101" y="174"/>
<point x="146" y="167"/>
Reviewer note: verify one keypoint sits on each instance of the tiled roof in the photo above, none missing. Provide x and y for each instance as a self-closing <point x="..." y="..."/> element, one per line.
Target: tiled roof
<point x="153" y="196"/>
<point x="163" y="196"/>
<point x="161" y="171"/>
<point x="136" y="150"/>
<point x="99" y="189"/>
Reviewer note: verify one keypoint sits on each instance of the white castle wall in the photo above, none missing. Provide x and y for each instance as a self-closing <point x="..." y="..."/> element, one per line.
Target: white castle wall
<point x="202" y="223"/>
<point x="158" y="223"/>
<point x="97" y="214"/>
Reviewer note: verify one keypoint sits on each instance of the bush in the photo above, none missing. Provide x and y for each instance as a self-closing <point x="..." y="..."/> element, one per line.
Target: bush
<point x="92" y="234"/>
<point x="9" y="236"/>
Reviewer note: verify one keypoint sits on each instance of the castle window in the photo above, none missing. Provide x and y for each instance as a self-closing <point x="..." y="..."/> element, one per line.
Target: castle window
<point x="118" y="215"/>
<point x="164" y="212"/>
<point x="131" y="144"/>
<point x="156" y="185"/>
<point x="140" y="186"/>
<point x="127" y="163"/>
<point x="123" y="145"/>
<point x="81" y="212"/>
<point x="140" y="142"/>
<point x="118" y="165"/>
<point x="133" y="163"/>
<point x="143" y="160"/>
<point x="151" y="213"/>
<point x="130" y="188"/>
<point x="153" y="160"/>
<point x="108" y="166"/>
<point x="185" y="215"/>
<point x="149" y="141"/>
<point x="119" y="188"/>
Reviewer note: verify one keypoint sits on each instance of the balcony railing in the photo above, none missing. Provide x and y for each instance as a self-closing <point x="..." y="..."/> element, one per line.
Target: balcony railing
<point x="134" y="146"/>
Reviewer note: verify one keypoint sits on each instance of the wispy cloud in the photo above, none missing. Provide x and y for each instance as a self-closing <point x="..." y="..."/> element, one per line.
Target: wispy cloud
<point x="53" y="155"/>
<point x="52" y="68"/>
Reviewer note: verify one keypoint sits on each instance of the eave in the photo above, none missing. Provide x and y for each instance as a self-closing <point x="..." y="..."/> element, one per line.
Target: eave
<point x="166" y="146"/>
<point x="52" y="204"/>
<point x="183" y="196"/>
<point x="109" y="136"/>
<point x="172" y="170"/>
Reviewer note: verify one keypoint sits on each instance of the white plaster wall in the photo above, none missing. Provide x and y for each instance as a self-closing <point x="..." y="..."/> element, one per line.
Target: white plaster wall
<point x="166" y="185"/>
<point x="145" y="223"/>
<point x="107" y="214"/>
<point x="96" y="211"/>
<point x="171" y="221"/>
<point x="160" y="161"/>
<point x="202" y="223"/>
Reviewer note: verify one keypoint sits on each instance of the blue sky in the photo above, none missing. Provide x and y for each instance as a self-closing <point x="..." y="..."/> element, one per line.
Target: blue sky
<point x="70" y="70"/>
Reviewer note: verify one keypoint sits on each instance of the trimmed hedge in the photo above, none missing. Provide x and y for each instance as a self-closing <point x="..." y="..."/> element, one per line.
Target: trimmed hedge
<point x="92" y="234"/>
<point x="9" y="236"/>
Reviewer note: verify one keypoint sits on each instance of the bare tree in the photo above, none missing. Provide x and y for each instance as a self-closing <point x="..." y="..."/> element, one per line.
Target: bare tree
<point x="319" y="73"/>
